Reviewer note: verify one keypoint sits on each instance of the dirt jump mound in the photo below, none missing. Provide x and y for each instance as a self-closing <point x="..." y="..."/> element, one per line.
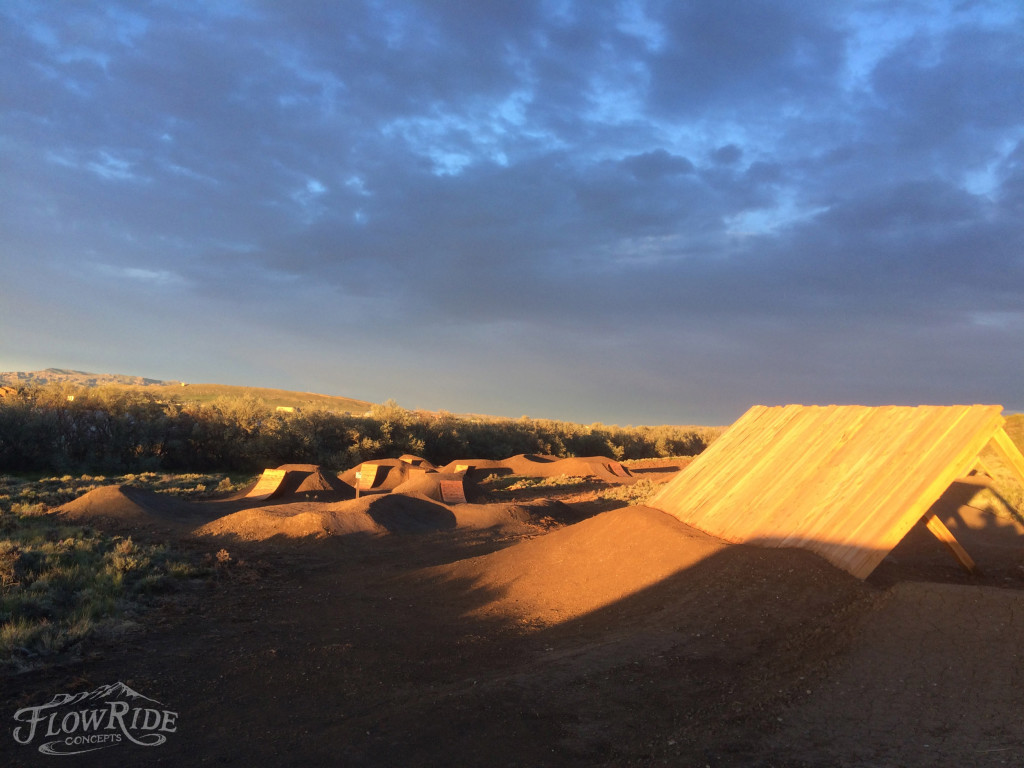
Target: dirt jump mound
<point x="382" y="475"/>
<point x="439" y="486"/>
<point x="409" y="513"/>
<point x="578" y="568"/>
<point x="380" y="515"/>
<point x="126" y="505"/>
<point x="416" y="461"/>
<point x="535" y="465"/>
<point x="516" y="517"/>
<point x="289" y="521"/>
<point x="297" y="479"/>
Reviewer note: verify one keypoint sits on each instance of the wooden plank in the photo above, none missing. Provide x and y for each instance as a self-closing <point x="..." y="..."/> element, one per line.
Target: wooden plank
<point x="268" y="483"/>
<point x="767" y="512"/>
<point x="720" y="500"/>
<point x="878" y="519"/>
<point x="861" y="465"/>
<point x="832" y="462"/>
<point x="712" y="468"/>
<point x="366" y="477"/>
<point x="948" y="458"/>
<point x="943" y="534"/>
<point x="733" y="457"/>
<point x="937" y="467"/>
<point x="904" y="434"/>
<point x="832" y="465"/>
<point x="784" y="470"/>
<point x="453" y="492"/>
<point x="897" y="446"/>
<point x="780" y="456"/>
<point x="982" y="468"/>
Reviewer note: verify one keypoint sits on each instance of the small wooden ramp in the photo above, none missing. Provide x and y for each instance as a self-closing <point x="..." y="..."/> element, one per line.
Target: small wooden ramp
<point x="453" y="492"/>
<point x="268" y="484"/>
<point x="847" y="482"/>
<point x="366" y="477"/>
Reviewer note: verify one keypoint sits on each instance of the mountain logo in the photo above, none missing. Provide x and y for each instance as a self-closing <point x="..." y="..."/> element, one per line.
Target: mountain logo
<point x="109" y="716"/>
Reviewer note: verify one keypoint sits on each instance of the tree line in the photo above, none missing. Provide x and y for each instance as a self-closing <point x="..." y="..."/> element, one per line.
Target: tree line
<point x="109" y="429"/>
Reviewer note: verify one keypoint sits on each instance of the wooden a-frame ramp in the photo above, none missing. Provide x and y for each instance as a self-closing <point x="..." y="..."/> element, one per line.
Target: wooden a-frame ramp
<point x="847" y="482"/>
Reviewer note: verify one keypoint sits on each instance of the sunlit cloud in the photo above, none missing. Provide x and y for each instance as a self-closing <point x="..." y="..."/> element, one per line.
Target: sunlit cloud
<point x="159" y="278"/>
<point x="104" y="164"/>
<point x="999" y="320"/>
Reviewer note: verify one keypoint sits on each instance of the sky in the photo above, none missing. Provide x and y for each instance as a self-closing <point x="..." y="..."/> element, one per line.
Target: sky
<point x="624" y="212"/>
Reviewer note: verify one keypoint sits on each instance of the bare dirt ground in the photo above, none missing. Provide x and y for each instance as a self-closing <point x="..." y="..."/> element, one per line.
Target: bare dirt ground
<point x="558" y="629"/>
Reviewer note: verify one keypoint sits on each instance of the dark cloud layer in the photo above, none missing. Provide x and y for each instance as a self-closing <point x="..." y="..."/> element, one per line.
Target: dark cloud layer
<point x="626" y="212"/>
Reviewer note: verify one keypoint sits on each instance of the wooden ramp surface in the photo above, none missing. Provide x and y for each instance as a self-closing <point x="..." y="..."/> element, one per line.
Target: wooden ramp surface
<point x="268" y="484"/>
<point x="847" y="482"/>
<point x="453" y="492"/>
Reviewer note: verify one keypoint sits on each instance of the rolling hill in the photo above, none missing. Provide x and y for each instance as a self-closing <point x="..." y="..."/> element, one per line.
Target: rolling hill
<point x="178" y="390"/>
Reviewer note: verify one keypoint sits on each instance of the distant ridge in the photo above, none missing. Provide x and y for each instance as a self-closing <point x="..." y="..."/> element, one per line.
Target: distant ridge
<point x="179" y="390"/>
<point x="78" y="378"/>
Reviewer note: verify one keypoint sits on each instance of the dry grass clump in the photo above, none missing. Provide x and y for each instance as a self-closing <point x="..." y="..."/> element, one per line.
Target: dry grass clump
<point x="636" y="494"/>
<point x="61" y="584"/>
<point x="519" y="483"/>
<point x="54" y="491"/>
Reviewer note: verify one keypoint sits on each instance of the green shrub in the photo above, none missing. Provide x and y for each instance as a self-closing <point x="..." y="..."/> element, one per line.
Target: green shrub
<point x="116" y="431"/>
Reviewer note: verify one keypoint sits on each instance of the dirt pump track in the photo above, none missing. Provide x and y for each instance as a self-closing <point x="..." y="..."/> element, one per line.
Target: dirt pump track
<point x="547" y="635"/>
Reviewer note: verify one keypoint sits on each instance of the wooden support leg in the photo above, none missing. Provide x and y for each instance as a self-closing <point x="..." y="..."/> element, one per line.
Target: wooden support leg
<point x="943" y="534"/>
<point x="982" y="468"/>
<point x="1009" y="452"/>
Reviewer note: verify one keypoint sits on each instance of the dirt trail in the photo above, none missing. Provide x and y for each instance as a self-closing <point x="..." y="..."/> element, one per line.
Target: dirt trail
<point x="949" y="653"/>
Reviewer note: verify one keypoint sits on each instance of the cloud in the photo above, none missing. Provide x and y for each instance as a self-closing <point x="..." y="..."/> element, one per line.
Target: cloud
<point x="782" y="196"/>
